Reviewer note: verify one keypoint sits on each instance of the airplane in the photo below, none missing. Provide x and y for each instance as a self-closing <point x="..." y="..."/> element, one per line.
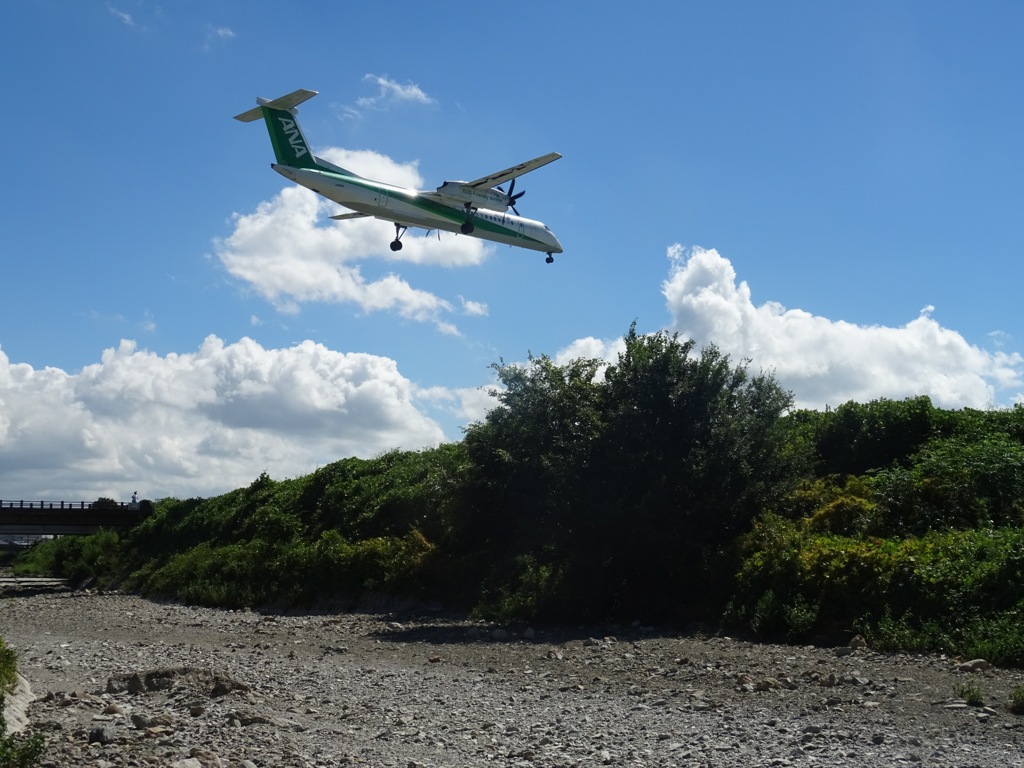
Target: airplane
<point x="477" y="208"/>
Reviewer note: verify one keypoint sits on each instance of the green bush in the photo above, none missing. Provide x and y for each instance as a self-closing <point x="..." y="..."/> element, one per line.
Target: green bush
<point x="75" y="558"/>
<point x="8" y="667"/>
<point x="1017" y="700"/>
<point x="952" y="591"/>
<point x="970" y="693"/>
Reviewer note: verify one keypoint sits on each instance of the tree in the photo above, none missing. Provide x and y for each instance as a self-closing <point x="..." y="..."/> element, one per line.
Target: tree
<point x="856" y="437"/>
<point x="619" y="491"/>
<point x="693" y="449"/>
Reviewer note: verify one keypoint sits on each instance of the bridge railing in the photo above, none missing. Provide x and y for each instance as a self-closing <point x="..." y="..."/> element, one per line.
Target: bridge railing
<point x="23" y="504"/>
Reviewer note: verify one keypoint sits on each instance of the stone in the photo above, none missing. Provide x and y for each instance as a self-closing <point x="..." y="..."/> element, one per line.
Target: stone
<point x="102" y="735"/>
<point x="974" y="665"/>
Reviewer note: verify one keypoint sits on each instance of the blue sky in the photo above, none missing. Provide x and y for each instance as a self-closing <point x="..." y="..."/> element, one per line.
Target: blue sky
<point x="833" y="191"/>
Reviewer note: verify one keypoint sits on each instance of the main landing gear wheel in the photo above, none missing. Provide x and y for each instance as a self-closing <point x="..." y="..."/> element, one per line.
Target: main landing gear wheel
<point x="396" y="244"/>
<point x="467" y="226"/>
<point x="550" y="259"/>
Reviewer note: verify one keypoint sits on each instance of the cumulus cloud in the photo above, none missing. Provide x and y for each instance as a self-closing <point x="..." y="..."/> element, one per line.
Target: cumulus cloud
<point x="204" y="422"/>
<point x="823" y="361"/>
<point x="829" y="362"/>
<point x="289" y="252"/>
<point x="200" y="423"/>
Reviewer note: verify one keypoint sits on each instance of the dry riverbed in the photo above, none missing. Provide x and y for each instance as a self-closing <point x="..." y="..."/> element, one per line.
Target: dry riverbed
<point x="124" y="681"/>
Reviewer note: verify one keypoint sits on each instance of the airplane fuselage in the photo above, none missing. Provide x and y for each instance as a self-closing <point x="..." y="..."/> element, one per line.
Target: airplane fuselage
<point x="407" y="207"/>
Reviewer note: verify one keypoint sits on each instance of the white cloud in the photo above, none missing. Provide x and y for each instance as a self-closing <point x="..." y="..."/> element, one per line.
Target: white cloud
<point x="473" y="308"/>
<point x="289" y="252"/>
<point x="829" y="362"/>
<point x="123" y="17"/>
<point x="201" y="423"/>
<point x="217" y="34"/>
<point x="391" y="92"/>
<point x="590" y="348"/>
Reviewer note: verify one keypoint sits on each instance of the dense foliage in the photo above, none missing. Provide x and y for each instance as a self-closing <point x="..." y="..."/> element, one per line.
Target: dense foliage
<point x="614" y="494"/>
<point x="671" y="485"/>
<point x="919" y="548"/>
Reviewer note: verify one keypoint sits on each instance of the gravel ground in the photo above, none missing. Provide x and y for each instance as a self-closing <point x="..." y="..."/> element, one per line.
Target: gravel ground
<point x="124" y="681"/>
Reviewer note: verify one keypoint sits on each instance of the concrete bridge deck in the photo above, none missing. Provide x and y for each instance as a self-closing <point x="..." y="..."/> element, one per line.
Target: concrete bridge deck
<point x="58" y="518"/>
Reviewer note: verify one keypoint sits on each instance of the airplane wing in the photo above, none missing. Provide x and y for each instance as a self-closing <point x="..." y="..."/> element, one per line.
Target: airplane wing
<point x="516" y="170"/>
<point x="343" y="216"/>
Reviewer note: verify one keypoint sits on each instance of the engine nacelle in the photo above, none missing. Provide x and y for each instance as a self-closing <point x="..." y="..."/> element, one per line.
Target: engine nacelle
<point x="460" y="193"/>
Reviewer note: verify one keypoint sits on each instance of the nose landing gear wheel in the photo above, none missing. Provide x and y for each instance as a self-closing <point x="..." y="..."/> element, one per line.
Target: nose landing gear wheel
<point x="396" y="244"/>
<point x="550" y="259"/>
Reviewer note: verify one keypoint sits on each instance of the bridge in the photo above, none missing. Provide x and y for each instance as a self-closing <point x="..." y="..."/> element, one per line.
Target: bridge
<point x="61" y="518"/>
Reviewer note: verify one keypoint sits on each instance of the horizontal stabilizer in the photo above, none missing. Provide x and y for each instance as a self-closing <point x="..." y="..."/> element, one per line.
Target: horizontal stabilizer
<point x="284" y="103"/>
<point x="343" y="216"/>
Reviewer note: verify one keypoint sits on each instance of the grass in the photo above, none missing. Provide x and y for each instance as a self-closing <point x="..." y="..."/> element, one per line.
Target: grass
<point x="1017" y="700"/>
<point x="970" y="692"/>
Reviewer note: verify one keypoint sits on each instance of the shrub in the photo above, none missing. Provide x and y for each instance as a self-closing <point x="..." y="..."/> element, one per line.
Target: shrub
<point x="8" y="669"/>
<point x="1017" y="700"/>
<point x="16" y="752"/>
<point x="952" y="591"/>
<point x="969" y="692"/>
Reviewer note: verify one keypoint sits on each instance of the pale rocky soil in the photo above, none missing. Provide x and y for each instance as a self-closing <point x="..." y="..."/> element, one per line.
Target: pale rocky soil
<point x="124" y="681"/>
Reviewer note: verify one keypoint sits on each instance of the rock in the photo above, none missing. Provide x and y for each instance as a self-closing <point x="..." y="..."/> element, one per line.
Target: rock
<point x="662" y="699"/>
<point x="206" y="758"/>
<point x="974" y="665"/>
<point x="223" y="685"/>
<point x="16" y="704"/>
<point x="104" y="735"/>
<point x="142" y="722"/>
<point x="245" y="719"/>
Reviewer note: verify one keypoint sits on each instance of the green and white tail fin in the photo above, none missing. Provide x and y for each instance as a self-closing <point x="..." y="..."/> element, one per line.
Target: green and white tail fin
<point x="290" y="145"/>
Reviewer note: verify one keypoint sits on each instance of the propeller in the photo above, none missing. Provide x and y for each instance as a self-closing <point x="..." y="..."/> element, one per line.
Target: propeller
<point x="511" y="197"/>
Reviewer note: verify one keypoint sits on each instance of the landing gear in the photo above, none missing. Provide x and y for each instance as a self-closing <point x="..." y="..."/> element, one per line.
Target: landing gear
<point x="550" y="259"/>
<point x="467" y="226"/>
<point x="396" y="244"/>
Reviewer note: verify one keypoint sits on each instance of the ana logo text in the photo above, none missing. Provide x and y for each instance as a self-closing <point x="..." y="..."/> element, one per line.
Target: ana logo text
<point x="291" y="130"/>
